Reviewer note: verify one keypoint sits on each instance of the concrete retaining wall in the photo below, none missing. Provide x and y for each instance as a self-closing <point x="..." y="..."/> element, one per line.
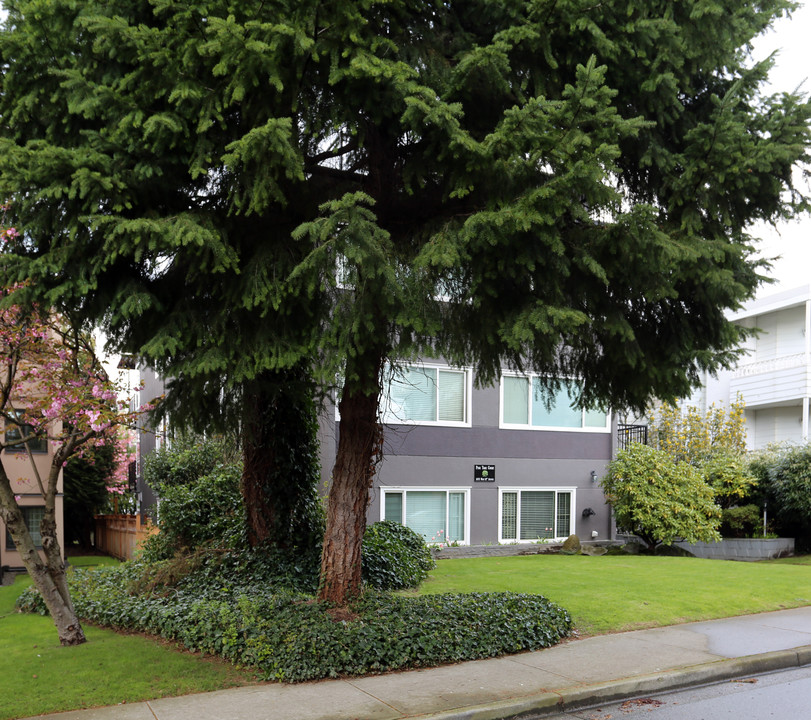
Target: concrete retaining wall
<point x="741" y="548"/>
<point x="468" y="551"/>
<point x="730" y="549"/>
<point x="508" y="550"/>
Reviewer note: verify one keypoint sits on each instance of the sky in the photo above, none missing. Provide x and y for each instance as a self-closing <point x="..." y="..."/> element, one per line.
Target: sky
<point x="791" y="38"/>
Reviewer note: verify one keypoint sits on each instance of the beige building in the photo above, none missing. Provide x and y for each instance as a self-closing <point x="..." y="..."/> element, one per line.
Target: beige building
<point x="24" y="483"/>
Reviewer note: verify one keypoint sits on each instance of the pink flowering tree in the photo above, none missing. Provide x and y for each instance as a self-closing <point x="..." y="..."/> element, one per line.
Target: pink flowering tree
<point x="118" y="484"/>
<point x="53" y="390"/>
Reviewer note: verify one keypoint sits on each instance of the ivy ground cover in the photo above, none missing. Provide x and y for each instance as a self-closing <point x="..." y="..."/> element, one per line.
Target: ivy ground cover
<point x="282" y="633"/>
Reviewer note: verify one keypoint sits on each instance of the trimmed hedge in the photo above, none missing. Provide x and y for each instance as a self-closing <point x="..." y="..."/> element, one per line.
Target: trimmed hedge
<point x="287" y="635"/>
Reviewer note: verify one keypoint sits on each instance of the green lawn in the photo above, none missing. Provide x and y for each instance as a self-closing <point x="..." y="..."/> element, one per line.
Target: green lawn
<point x="613" y="593"/>
<point x="38" y="676"/>
<point x="604" y="594"/>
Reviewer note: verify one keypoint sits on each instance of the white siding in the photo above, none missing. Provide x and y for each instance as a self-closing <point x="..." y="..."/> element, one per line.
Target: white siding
<point x="773" y="375"/>
<point x="782" y="333"/>
<point x="769" y="425"/>
<point x="769" y="388"/>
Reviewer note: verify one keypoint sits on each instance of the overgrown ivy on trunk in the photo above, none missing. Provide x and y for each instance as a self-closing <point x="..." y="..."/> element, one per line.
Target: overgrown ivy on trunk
<point x="280" y="453"/>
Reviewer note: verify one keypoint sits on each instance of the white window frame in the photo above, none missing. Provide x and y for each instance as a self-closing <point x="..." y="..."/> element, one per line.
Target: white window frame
<point x="389" y="418"/>
<point x="430" y="488"/>
<point x="553" y="428"/>
<point x="572" y="491"/>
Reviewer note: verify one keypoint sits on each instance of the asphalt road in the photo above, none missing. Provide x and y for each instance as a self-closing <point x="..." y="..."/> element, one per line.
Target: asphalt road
<point x="784" y="695"/>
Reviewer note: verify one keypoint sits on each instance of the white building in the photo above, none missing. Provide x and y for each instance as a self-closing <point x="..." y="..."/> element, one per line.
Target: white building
<point x="774" y="376"/>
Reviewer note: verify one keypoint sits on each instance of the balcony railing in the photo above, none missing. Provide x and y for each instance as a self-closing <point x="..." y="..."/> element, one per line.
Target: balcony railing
<point x="627" y="434"/>
<point x="766" y="366"/>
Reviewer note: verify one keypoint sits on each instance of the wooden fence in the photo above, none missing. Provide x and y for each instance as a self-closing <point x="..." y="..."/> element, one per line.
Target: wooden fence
<point x="120" y="535"/>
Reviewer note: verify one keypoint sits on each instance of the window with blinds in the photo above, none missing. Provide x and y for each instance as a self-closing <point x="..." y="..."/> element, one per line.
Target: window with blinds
<point x="535" y="514"/>
<point x="537" y="518"/>
<point x="427" y="395"/>
<point x="523" y="404"/>
<point x="438" y="515"/>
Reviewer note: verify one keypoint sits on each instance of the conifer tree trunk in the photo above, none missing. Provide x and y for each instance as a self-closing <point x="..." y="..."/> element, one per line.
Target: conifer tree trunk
<point x="49" y="576"/>
<point x="258" y="461"/>
<point x="359" y="449"/>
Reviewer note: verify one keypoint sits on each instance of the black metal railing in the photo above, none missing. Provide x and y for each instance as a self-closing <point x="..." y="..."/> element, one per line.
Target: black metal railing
<point x="627" y="434"/>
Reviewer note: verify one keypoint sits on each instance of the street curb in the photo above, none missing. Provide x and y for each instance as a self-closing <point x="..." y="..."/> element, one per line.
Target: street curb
<point x="598" y="694"/>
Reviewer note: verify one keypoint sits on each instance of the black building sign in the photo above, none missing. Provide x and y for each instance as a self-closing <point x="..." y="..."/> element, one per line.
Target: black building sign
<point x="484" y="473"/>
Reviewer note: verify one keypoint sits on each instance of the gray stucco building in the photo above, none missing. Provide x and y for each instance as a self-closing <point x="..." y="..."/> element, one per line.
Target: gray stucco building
<point x="491" y="465"/>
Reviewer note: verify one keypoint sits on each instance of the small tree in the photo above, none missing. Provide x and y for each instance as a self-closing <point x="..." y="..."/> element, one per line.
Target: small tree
<point x="714" y="442"/>
<point x="51" y="378"/>
<point x="730" y="478"/>
<point x="692" y="436"/>
<point x="86" y="484"/>
<point x="660" y="499"/>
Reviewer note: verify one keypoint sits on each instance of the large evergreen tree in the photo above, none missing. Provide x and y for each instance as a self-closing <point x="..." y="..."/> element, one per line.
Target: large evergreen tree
<point x="245" y="188"/>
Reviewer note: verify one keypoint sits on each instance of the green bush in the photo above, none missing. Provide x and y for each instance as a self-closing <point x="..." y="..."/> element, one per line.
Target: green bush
<point x="186" y="460"/>
<point x="789" y="492"/>
<point x="730" y="477"/>
<point x="740" y="522"/>
<point x="288" y="636"/>
<point x="194" y="542"/>
<point x="209" y="510"/>
<point x="200" y="499"/>
<point x="660" y="499"/>
<point x="394" y="556"/>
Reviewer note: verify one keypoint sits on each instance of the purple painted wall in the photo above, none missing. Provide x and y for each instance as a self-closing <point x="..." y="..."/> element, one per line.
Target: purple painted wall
<point x="425" y="456"/>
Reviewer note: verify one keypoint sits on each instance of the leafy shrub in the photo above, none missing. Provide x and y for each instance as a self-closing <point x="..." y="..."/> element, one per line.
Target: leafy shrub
<point x="210" y="572"/>
<point x="788" y="472"/>
<point x="659" y="499"/>
<point x="186" y="460"/>
<point x="208" y="510"/>
<point x="201" y="503"/>
<point x="740" y="522"/>
<point x="287" y="635"/>
<point x="394" y="556"/>
<point x="729" y="476"/>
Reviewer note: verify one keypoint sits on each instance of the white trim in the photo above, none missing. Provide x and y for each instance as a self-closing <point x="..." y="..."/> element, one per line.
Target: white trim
<point x="572" y="490"/>
<point x="430" y="488"/>
<point x="387" y="418"/>
<point x="546" y="428"/>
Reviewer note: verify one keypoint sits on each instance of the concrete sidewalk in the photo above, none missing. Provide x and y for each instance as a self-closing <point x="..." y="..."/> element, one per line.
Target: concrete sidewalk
<point x="577" y="673"/>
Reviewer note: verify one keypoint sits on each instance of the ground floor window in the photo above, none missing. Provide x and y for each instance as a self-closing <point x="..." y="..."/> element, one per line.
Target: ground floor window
<point x="439" y="515"/>
<point x="33" y="520"/>
<point x="535" y="513"/>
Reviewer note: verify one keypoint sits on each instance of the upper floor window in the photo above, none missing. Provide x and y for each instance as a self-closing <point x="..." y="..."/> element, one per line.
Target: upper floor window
<point x="15" y="433"/>
<point x="426" y="394"/>
<point x="523" y="404"/>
